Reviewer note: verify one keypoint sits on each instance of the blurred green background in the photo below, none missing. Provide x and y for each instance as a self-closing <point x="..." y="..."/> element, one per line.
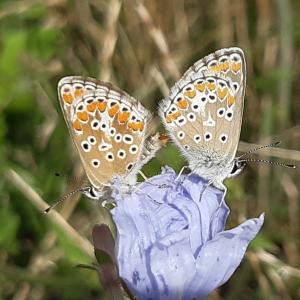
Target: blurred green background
<point x="142" y="47"/>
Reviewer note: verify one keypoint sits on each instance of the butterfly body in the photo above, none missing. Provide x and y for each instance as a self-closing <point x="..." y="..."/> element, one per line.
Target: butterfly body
<point x="203" y="114"/>
<point x="110" y="131"/>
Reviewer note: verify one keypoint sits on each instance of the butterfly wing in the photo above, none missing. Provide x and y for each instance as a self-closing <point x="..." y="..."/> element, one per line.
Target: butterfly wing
<point x="203" y="112"/>
<point x="107" y="126"/>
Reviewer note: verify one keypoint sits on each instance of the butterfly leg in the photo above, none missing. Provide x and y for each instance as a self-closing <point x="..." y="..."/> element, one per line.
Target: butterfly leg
<point x="204" y="187"/>
<point x="181" y="171"/>
<point x="136" y="188"/>
<point x="143" y="175"/>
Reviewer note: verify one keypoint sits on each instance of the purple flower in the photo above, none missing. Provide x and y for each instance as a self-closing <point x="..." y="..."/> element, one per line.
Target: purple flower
<point x="171" y="242"/>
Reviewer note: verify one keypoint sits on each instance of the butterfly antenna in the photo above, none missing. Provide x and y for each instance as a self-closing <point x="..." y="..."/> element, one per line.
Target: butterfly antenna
<point x="63" y="199"/>
<point x="275" y="144"/>
<point x="269" y="162"/>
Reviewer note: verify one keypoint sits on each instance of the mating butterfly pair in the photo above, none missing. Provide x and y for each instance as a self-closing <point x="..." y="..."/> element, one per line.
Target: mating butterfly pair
<point x="203" y="115"/>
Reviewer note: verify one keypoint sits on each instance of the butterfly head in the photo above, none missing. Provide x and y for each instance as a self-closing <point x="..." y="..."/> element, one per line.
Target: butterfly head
<point x="238" y="167"/>
<point x="93" y="193"/>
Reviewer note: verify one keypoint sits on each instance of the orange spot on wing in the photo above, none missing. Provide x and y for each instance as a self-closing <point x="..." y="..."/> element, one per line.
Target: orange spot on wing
<point x="224" y="66"/>
<point x="112" y="111"/>
<point x="91" y="107"/>
<point x="83" y="116"/>
<point x="67" y="97"/>
<point x="200" y="86"/>
<point x="183" y="104"/>
<point x="78" y="93"/>
<point x="168" y="119"/>
<point x="190" y="93"/>
<point x="76" y="125"/>
<point x="123" y="116"/>
<point x="141" y="126"/>
<point x="222" y="92"/>
<point x="102" y="106"/>
<point x="215" y="68"/>
<point x="235" y="67"/>
<point x="211" y="86"/>
<point x="135" y="126"/>
<point x="175" y="115"/>
<point x="230" y="100"/>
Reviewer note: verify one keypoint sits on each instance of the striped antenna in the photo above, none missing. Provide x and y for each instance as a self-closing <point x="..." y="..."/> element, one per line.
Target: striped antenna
<point x="276" y="163"/>
<point x="275" y="144"/>
<point x="64" y="198"/>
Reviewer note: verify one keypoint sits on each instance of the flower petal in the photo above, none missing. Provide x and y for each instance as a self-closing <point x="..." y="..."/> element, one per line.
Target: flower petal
<point x="214" y="210"/>
<point x="172" y="265"/>
<point x="214" y="264"/>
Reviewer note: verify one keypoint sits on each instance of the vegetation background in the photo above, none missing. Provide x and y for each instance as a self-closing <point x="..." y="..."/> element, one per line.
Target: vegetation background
<point x="142" y="47"/>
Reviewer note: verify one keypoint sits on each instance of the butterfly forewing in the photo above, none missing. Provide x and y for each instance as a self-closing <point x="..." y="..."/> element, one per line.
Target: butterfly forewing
<point x="204" y="110"/>
<point x="107" y="126"/>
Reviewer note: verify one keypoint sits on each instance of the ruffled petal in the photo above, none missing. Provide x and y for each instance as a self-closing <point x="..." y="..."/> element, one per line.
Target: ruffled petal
<point x="220" y="257"/>
<point x="171" y="242"/>
<point x="172" y="265"/>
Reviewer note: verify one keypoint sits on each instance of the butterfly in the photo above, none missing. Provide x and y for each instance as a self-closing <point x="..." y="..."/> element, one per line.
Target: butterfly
<point x="109" y="129"/>
<point x="203" y="114"/>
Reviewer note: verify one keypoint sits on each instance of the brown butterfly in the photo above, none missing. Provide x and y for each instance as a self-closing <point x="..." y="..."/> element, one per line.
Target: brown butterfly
<point x="203" y="114"/>
<point x="109" y="129"/>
